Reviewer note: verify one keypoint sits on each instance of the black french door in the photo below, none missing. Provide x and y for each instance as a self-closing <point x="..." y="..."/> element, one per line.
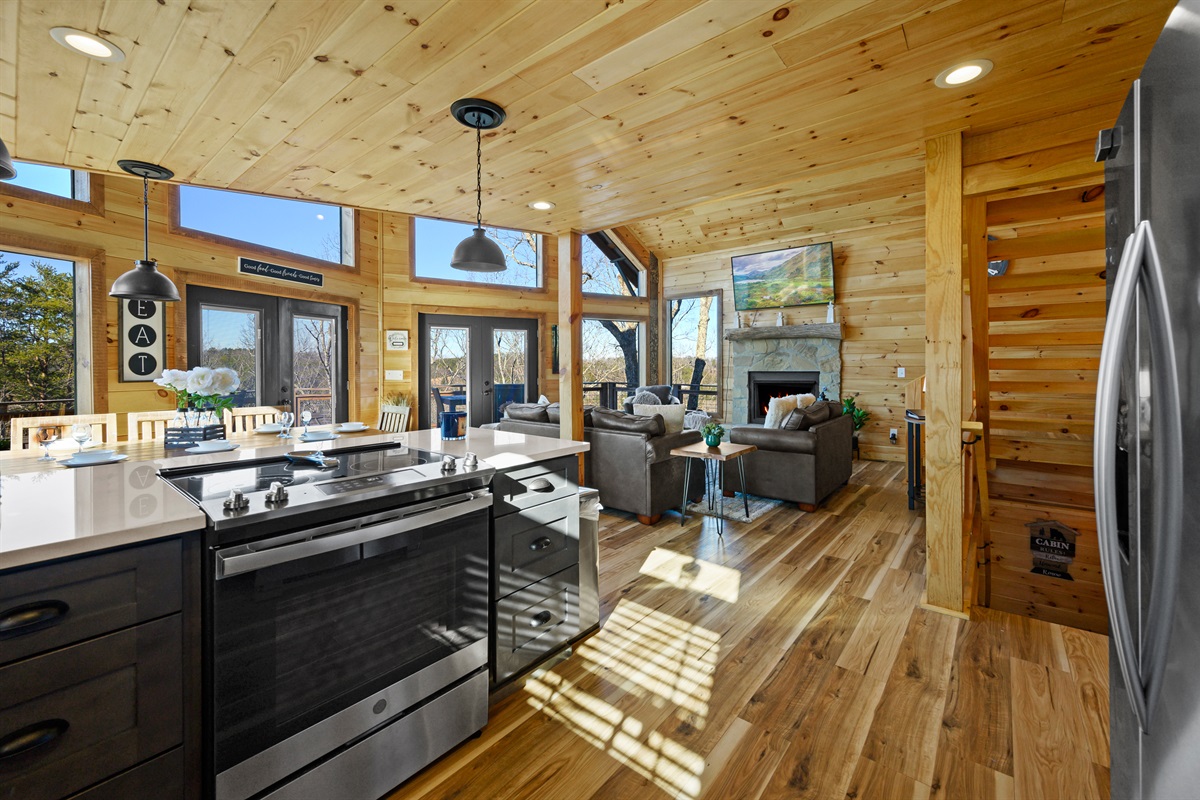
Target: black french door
<point x="288" y="353"/>
<point x="475" y="364"/>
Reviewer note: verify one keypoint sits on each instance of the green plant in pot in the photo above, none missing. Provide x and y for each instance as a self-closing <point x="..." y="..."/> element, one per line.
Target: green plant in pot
<point x="712" y="433"/>
<point x="859" y="415"/>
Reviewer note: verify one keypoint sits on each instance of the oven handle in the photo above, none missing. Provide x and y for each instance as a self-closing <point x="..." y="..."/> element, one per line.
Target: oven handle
<point x="240" y="560"/>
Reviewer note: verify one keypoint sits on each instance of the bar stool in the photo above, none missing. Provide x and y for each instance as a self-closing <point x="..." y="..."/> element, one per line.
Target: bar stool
<point x="915" y="417"/>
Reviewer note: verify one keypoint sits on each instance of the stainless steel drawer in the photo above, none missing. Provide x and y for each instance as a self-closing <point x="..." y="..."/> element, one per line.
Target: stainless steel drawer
<point x="535" y="621"/>
<point x="68" y="601"/>
<point x="536" y="543"/>
<point x="82" y="713"/>
<point x="531" y="486"/>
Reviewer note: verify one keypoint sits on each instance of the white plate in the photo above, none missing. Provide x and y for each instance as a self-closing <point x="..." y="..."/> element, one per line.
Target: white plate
<point x="346" y="428"/>
<point x="270" y="427"/>
<point x="92" y="456"/>
<point x="309" y="437"/>
<point x="203" y="448"/>
<point x="71" y="462"/>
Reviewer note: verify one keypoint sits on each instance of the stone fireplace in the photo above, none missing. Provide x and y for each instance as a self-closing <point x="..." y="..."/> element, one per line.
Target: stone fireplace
<point x="814" y="349"/>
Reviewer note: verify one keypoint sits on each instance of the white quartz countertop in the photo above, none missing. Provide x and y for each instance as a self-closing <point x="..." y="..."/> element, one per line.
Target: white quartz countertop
<point x="58" y="512"/>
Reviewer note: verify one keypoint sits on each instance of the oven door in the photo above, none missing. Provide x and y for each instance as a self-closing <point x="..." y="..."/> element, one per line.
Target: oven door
<point x="321" y="635"/>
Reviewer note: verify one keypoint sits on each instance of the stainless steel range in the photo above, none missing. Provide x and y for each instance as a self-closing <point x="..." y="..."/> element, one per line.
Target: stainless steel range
<point x="346" y="618"/>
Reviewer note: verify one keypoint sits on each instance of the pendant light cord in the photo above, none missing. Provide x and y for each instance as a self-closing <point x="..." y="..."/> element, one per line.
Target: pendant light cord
<point x="146" y="217"/>
<point x="478" y="178"/>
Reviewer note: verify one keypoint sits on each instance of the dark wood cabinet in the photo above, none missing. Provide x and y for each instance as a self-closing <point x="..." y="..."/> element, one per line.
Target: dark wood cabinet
<point x="98" y="683"/>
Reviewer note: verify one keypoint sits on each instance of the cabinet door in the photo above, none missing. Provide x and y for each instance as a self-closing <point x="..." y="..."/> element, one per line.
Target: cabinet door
<point x="75" y="716"/>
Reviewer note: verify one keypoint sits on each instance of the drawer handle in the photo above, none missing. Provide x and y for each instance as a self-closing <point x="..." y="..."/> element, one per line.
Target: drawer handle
<point x="541" y="619"/>
<point x="30" y="617"/>
<point x="540" y="544"/>
<point x="32" y="737"/>
<point x="542" y="485"/>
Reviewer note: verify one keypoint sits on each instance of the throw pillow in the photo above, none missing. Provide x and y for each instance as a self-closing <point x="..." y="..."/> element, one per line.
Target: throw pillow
<point x="695" y="420"/>
<point x="805" y="400"/>
<point x="793" y="421"/>
<point x="604" y="419"/>
<point x="672" y="415"/>
<point x="814" y="416"/>
<point x="777" y="410"/>
<point x="646" y="399"/>
<point x="527" y="412"/>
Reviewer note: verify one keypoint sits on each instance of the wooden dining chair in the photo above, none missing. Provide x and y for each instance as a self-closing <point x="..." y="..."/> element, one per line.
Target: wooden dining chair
<point x="393" y="419"/>
<point x="148" y="425"/>
<point x="104" y="428"/>
<point x="245" y="420"/>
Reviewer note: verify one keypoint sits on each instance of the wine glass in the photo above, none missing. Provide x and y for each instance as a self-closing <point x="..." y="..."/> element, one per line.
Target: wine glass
<point x="82" y="434"/>
<point x="45" y="436"/>
<point x="306" y="417"/>
<point x="286" y="418"/>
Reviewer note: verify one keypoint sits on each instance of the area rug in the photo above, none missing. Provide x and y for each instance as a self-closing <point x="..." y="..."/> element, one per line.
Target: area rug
<point x="735" y="510"/>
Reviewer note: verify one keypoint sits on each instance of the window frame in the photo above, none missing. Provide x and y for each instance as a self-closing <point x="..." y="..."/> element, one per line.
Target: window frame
<point x="719" y="297"/>
<point x="91" y="319"/>
<point x="349" y="221"/>
<point x="88" y="189"/>
<point x="413" y="277"/>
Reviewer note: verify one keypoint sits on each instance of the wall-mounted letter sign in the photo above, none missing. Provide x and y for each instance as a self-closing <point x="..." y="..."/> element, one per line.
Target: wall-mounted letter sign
<point x="1053" y="547"/>
<point x="143" y="341"/>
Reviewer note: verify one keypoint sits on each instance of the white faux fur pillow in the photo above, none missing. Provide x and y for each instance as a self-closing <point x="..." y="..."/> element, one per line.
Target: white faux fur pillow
<point x="778" y="409"/>
<point x="672" y="415"/>
<point x="805" y="400"/>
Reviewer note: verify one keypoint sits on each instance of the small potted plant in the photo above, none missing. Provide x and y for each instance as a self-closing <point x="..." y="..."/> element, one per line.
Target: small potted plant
<point x="859" y="415"/>
<point x="712" y="433"/>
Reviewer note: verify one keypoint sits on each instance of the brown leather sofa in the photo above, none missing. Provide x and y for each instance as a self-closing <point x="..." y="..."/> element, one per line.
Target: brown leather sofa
<point x="633" y="469"/>
<point x="800" y="466"/>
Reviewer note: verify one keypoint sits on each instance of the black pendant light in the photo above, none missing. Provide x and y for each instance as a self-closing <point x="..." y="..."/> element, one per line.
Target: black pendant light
<point x="477" y="253"/>
<point x="7" y="170"/>
<point x="144" y="281"/>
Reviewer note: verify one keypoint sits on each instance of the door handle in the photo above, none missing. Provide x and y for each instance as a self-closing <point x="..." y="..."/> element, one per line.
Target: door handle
<point x="537" y="545"/>
<point x="31" y="737"/>
<point x="1116" y="329"/>
<point x="31" y="617"/>
<point x="541" y="485"/>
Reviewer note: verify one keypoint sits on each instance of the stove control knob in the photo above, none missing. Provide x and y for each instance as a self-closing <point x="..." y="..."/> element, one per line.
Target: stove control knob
<point x="470" y="461"/>
<point x="277" y="493"/>
<point x="236" y="501"/>
<point x="448" y="464"/>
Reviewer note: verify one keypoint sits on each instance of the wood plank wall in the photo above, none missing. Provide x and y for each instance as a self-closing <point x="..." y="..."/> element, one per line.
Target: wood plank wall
<point x="879" y="288"/>
<point x="116" y="235"/>
<point x="1045" y="323"/>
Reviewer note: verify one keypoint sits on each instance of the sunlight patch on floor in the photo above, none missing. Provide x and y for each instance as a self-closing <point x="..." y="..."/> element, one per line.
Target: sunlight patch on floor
<point x="663" y="667"/>
<point x="697" y="575"/>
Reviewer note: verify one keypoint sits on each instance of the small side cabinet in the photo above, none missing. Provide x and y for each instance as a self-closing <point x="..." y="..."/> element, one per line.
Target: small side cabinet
<point x="96" y="691"/>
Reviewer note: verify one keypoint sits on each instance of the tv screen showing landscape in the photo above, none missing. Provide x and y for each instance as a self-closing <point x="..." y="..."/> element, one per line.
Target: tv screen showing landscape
<point x="798" y="276"/>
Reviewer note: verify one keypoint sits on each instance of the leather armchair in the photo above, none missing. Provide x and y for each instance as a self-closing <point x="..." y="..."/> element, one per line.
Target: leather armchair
<point x="633" y="472"/>
<point x="801" y="467"/>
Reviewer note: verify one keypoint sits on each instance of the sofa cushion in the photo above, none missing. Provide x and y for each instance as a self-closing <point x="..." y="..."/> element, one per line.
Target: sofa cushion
<point x="835" y="409"/>
<point x="605" y="419"/>
<point x="777" y="410"/>
<point x="527" y="412"/>
<point x="774" y="440"/>
<point x="554" y="411"/>
<point x="672" y="415"/>
<point x="814" y="415"/>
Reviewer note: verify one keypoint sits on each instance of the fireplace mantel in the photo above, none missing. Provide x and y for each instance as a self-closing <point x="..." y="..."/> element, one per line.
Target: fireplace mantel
<point x="820" y="330"/>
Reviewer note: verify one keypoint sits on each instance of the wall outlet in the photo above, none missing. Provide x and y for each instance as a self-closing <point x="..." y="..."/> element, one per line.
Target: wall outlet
<point x="899" y="372"/>
<point x="393" y="374"/>
<point x="893" y="434"/>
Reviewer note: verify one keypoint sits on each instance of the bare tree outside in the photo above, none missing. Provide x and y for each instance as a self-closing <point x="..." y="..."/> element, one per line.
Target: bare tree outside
<point x="695" y="350"/>
<point x="314" y="345"/>
<point x="231" y="340"/>
<point x="601" y="363"/>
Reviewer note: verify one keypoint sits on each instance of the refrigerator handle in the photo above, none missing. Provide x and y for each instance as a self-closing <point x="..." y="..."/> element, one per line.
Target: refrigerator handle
<point x="1116" y="331"/>
<point x="1167" y="491"/>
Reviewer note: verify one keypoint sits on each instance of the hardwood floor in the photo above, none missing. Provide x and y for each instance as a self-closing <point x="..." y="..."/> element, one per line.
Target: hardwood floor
<point x="792" y="659"/>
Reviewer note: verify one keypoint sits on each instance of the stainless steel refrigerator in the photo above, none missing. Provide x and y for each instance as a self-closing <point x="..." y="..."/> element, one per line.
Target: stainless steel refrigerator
<point x="1147" y="446"/>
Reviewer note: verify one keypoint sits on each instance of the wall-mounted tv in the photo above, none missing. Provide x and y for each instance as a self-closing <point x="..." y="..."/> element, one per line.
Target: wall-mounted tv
<point x="797" y="276"/>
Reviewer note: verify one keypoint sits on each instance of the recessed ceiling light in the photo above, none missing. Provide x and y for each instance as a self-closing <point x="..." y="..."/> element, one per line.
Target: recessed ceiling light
<point x="962" y="73"/>
<point x="542" y="205"/>
<point x="88" y="44"/>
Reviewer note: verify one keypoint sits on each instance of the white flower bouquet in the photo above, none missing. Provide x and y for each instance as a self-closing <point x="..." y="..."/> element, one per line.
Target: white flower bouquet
<point x="201" y="386"/>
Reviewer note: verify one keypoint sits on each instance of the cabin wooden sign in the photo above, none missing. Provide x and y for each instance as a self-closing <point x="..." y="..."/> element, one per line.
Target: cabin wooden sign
<point x="1053" y="548"/>
<point x="143" y="340"/>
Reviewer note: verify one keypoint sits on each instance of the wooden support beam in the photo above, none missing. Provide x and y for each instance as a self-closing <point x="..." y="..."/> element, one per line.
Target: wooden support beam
<point x="975" y="236"/>
<point x="943" y="357"/>
<point x="570" y="337"/>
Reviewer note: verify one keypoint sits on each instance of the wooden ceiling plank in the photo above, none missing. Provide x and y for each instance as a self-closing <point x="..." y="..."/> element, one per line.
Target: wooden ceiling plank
<point x="8" y="73"/>
<point x="857" y="25"/>
<point x="46" y="70"/>
<point x="966" y="17"/>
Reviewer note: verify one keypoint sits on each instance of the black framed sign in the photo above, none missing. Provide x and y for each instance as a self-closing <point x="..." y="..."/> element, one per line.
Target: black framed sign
<point x="265" y="269"/>
<point x="143" y="348"/>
